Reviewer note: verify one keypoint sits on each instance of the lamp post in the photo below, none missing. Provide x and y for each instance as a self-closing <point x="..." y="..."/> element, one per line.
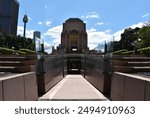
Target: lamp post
<point x="25" y="20"/>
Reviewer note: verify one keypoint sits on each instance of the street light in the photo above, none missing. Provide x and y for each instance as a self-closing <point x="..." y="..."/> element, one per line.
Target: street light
<point x="25" y="20"/>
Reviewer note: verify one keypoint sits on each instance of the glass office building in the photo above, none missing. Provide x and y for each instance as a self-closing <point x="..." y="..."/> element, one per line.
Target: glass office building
<point x="9" y="10"/>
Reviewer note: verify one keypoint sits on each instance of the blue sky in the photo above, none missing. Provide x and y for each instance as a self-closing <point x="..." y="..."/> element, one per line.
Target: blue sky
<point x="104" y="18"/>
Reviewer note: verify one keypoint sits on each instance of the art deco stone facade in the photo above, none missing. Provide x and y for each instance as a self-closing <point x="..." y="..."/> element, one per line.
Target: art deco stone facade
<point x="74" y="36"/>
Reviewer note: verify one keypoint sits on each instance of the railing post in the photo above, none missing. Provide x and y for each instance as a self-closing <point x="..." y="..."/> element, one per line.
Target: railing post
<point x="40" y="74"/>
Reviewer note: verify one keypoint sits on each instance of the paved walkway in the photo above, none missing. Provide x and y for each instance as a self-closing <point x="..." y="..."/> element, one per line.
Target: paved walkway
<point x="73" y="87"/>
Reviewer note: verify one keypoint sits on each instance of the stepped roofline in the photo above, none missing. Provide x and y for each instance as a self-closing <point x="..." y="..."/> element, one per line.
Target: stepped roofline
<point x="74" y="20"/>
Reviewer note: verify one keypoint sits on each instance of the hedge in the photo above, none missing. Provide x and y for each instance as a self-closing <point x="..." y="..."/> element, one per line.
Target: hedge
<point x="128" y="52"/>
<point x="119" y="52"/>
<point x="27" y="51"/>
<point x="144" y="51"/>
<point x="6" y="51"/>
<point x="20" y="52"/>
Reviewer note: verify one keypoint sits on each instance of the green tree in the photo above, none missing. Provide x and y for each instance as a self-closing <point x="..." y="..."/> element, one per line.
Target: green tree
<point x="128" y="38"/>
<point x="144" y="35"/>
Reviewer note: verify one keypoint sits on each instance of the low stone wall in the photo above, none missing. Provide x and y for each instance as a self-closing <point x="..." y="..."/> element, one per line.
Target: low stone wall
<point x="1" y="92"/>
<point x="129" y="87"/>
<point x="97" y="72"/>
<point x="49" y="72"/>
<point x="19" y="87"/>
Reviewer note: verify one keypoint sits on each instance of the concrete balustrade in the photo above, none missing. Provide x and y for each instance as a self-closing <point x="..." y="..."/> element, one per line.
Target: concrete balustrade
<point x="18" y="87"/>
<point x="129" y="87"/>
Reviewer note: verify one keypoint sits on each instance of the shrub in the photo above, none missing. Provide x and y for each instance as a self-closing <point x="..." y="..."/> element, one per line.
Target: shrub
<point x="128" y="52"/>
<point x="145" y="51"/>
<point x="20" y="52"/>
<point x="119" y="52"/>
<point x="6" y="51"/>
<point x="27" y="51"/>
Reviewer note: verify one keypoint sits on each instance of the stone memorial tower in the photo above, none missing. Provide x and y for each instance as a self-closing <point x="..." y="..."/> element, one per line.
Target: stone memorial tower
<point x="74" y="36"/>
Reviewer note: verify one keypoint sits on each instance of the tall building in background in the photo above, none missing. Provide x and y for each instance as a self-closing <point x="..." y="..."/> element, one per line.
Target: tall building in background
<point x="9" y="10"/>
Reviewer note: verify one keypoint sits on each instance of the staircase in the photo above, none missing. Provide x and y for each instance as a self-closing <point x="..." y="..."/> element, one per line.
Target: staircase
<point x="17" y="64"/>
<point x="131" y="64"/>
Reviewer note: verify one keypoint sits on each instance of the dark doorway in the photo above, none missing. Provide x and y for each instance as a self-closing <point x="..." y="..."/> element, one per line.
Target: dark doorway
<point x="73" y="65"/>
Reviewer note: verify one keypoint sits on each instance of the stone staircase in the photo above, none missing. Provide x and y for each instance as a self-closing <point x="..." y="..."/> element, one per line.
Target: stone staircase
<point x="17" y="64"/>
<point x="131" y="64"/>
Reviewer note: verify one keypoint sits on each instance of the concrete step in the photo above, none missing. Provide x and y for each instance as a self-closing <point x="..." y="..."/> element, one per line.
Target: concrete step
<point x="17" y="58"/>
<point x="120" y="63"/>
<point x="139" y="63"/>
<point x="17" y="69"/>
<point x="130" y="69"/>
<point x="142" y="69"/>
<point x="124" y="69"/>
<point x="10" y="63"/>
<point x="134" y="59"/>
<point x="17" y="63"/>
<point x="132" y="63"/>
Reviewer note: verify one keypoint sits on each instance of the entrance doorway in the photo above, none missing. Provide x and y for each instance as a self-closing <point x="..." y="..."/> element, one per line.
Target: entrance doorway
<point x="73" y="65"/>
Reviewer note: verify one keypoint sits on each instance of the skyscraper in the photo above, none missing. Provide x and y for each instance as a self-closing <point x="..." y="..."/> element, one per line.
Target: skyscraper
<point x="9" y="16"/>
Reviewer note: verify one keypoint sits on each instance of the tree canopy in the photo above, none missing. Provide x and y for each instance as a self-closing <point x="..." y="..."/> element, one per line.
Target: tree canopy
<point x="16" y="42"/>
<point x="132" y="39"/>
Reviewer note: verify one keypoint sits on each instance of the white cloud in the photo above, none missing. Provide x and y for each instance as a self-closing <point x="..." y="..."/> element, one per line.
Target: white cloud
<point x="140" y="24"/>
<point x="55" y="34"/>
<point x="90" y="15"/>
<point x="29" y="33"/>
<point x="146" y="15"/>
<point x="46" y="23"/>
<point x="40" y="23"/>
<point x="99" y="23"/>
<point x="29" y="18"/>
<point x="117" y="35"/>
<point x="47" y="47"/>
<point x="95" y="37"/>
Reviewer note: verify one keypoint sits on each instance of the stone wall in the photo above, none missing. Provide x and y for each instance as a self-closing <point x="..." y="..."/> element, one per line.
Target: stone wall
<point x="129" y="87"/>
<point x="49" y="72"/>
<point x="97" y="72"/>
<point x="19" y="87"/>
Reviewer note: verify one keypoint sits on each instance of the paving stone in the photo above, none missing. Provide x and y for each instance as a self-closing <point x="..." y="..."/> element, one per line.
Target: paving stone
<point x="74" y="87"/>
